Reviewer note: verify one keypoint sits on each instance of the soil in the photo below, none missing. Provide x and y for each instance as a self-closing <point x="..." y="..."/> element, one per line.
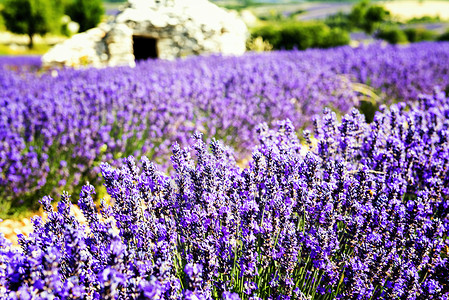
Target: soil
<point x="11" y="228"/>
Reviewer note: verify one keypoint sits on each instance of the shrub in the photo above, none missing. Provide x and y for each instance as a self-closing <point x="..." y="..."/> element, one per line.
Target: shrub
<point x="424" y="19"/>
<point x="363" y="215"/>
<point x="258" y="44"/>
<point x="419" y="34"/>
<point x="444" y="37"/>
<point x="339" y="20"/>
<point x="336" y="37"/>
<point x="290" y="35"/>
<point x="302" y="36"/>
<point x="269" y="33"/>
<point x="58" y="126"/>
<point x="393" y="35"/>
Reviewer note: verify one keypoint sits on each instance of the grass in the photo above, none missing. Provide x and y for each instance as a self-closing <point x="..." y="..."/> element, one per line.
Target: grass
<point x="38" y="49"/>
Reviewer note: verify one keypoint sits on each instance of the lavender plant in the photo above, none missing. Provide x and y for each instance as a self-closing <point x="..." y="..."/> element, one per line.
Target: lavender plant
<point x="21" y="63"/>
<point x="361" y="215"/>
<point x="57" y="127"/>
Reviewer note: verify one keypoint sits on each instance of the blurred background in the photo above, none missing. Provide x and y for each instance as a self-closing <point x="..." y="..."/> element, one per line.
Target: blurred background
<point x="32" y="27"/>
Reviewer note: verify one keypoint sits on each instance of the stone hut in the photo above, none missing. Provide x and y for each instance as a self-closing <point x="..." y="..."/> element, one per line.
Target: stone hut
<point x="145" y="29"/>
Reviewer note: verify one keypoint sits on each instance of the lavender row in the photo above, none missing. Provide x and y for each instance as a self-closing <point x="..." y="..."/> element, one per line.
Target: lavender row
<point x="364" y="214"/>
<point x="21" y="63"/>
<point x="56" y="127"/>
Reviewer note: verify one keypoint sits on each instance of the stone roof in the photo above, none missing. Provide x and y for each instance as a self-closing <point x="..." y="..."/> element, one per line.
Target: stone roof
<point x="176" y="28"/>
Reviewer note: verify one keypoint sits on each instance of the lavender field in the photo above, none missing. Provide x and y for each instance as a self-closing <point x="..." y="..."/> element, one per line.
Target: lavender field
<point x="57" y="127"/>
<point x="254" y="177"/>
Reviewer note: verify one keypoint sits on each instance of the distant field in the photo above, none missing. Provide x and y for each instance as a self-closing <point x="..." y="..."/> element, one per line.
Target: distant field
<point x="316" y="9"/>
<point x="410" y="9"/>
<point x="321" y="9"/>
<point x="312" y="10"/>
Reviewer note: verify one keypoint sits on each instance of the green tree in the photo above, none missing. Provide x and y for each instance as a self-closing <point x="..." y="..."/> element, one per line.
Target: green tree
<point x="58" y="10"/>
<point x="87" y="13"/>
<point x="29" y="17"/>
<point x="374" y="16"/>
<point x="357" y="14"/>
<point x="367" y="16"/>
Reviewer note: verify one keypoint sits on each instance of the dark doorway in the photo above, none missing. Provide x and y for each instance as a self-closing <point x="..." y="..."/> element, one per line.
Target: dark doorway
<point x="144" y="47"/>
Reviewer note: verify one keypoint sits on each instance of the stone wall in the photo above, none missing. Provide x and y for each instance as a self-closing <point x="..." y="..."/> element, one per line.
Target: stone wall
<point x="180" y="27"/>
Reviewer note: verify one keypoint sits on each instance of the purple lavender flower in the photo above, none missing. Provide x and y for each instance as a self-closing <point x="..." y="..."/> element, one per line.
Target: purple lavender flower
<point x="359" y="211"/>
<point x="58" y="126"/>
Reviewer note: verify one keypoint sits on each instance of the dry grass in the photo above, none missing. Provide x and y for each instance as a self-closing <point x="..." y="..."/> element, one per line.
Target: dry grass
<point x="415" y="9"/>
<point x="17" y="44"/>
